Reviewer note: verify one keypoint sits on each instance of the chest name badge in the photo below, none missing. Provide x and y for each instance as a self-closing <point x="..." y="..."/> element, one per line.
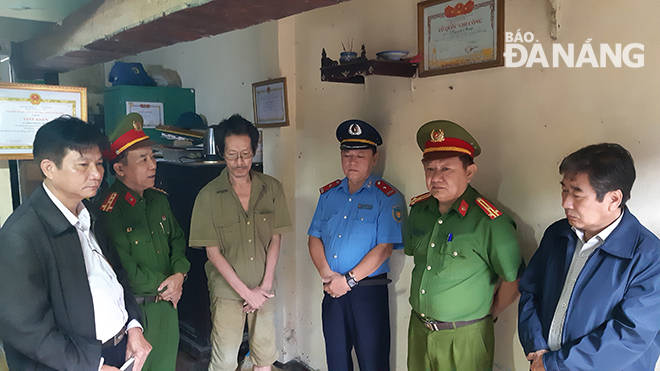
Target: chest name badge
<point x="365" y="207"/>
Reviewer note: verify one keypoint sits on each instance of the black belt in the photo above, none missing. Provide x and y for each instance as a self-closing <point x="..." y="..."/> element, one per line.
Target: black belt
<point x="146" y="299"/>
<point x="115" y="339"/>
<point x="439" y="325"/>
<point x="380" y="279"/>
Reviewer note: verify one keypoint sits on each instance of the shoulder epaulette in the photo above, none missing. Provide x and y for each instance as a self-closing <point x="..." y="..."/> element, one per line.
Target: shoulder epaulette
<point x="329" y="186"/>
<point x="385" y="188"/>
<point x="488" y="208"/>
<point x="109" y="202"/>
<point x="419" y="198"/>
<point x="160" y="190"/>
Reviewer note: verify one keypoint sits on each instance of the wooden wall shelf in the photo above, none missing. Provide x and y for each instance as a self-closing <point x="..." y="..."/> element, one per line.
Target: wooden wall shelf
<point x="354" y="72"/>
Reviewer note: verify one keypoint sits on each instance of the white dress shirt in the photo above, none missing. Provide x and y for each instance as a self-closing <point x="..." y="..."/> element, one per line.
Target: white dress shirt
<point x="107" y="293"/>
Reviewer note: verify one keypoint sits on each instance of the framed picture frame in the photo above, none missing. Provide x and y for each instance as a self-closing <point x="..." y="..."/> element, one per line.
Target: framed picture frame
<point x="271" y="107"/>
<point x="24" y="108"/>
<point x="459" y="35"/>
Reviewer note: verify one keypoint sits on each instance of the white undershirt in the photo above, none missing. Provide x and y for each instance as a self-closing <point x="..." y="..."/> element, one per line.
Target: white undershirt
<point x="107" y="293"/>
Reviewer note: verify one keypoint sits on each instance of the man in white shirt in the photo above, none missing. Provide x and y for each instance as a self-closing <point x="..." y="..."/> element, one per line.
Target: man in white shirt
<point x="65" y="303"/>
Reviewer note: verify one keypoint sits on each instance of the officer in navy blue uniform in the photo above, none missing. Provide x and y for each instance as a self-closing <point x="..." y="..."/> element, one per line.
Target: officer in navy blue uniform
<point x="356" y="226"/>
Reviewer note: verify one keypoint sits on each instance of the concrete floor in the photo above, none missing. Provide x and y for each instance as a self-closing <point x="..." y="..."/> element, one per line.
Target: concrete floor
<point x="186" y="362"/>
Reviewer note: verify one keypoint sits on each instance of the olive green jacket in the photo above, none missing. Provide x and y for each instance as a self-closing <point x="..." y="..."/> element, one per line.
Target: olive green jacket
<point x="218" y="219"/>
<point x="150" y="243"/>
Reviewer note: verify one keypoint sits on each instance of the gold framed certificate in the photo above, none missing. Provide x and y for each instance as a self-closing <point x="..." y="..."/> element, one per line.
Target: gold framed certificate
<point x="270" y="103"/>
<point x="24" y="108"/>
<point x="459" y="35"/>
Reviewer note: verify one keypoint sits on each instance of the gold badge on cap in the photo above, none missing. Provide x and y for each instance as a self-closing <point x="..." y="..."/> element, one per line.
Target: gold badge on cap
<point x="437" y="135"/>
<point x="137" y="125"/>
<point x="354" y="129"/>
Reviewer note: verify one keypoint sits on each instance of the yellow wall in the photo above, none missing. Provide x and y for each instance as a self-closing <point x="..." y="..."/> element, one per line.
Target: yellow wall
<point x="526" y="120"/>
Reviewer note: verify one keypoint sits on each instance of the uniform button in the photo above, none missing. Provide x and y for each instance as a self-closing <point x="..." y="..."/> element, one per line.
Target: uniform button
<point x="129" y="229"/>
<point x="334" y="256"/>
<point x="432" y="244"/>
<point x="264" y="219"/>
<point x="423" y="291"/>
<point x="344" y="216"/>
<point x="574" y="280"/>
<point x="428" y="268"/>
<point x="422" y="314"/>
<point x="563" y="305"/>
<point x="440" y="221"/>
<point x="252" y="258"/>
<point x="136" y="242"/>
<point x="455" y="253"/>
<point x="250" y="240"/>
<point x="583" y="255"/>
<point x="152" y="232"/>
<point x="339" y="236"/>
<point x="361" y="219"/>
<point x="350" y="199"/>
<point x="158" y="251"/>
<point x="248" y="223"/>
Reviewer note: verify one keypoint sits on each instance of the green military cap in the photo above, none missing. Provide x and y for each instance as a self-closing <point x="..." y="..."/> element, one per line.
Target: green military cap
<point x="127" y="134"/>
<point x="442" y="138"/>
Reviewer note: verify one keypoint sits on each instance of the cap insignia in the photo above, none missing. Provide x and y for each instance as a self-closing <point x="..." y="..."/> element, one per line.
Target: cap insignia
<point x="137" y="125"/>
<point x="437" y="136"/>
<point x="354" y="129"/>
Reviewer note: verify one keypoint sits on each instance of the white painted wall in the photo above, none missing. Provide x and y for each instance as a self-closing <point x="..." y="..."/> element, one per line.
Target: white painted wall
<point x="526" y="120"/>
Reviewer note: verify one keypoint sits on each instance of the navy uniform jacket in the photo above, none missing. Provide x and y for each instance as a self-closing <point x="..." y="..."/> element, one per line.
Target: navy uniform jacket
<point x="46" y="309"/>
<point x="613" y="318"/>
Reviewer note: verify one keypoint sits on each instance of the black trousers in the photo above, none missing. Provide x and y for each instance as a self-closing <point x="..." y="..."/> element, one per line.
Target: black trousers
<point x="361" y="320"/>
<point x="115" y="356"/>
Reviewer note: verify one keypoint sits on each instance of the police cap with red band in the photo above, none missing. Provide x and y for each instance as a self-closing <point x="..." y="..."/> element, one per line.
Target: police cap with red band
<point x="127" y="134"/>
<point x="442" y="139"/>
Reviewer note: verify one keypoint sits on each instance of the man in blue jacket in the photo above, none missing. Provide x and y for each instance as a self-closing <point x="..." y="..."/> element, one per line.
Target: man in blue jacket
<point x="590" y="297"/>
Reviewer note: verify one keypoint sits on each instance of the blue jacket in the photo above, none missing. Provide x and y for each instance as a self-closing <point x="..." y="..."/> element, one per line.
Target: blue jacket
<point x="613" y="317"/>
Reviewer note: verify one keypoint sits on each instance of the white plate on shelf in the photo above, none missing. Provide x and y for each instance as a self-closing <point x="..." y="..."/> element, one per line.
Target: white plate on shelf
<point x="392" y="55"/>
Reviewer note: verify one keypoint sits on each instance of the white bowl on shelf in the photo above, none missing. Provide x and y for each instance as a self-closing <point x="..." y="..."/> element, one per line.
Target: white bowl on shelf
<point x="392" y="55"/>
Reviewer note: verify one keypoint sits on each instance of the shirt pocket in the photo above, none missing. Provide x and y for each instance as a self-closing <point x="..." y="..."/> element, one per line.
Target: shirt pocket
<point x="263" y="224"/>
<point x="227" y="229"/>
<point x="459" y="259"/>
<point x="366" y="214"/>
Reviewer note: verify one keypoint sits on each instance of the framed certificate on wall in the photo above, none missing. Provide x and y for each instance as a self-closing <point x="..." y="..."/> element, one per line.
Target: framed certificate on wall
<point x="24" y="108"/>
<point x="460" y="35"/>
<point x="270" y="103"/>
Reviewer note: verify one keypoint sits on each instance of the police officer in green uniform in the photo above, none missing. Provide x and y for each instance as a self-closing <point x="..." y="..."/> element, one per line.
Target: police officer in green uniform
<point x="150" y="242"/>
<point x="462" y="247"/>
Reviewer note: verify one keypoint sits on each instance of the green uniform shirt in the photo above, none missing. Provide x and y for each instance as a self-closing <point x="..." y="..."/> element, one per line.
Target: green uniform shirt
<point x="150" y="242"/>
<point x="455" y="280"/>
<point x="218" y="219"/>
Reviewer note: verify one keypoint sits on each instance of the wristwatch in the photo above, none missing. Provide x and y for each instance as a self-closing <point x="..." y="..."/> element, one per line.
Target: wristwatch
<point x="350" y="279"/>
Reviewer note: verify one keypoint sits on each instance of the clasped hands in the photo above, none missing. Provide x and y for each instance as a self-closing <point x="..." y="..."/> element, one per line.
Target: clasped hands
<point x="536" y="358"/>
<point x="172" y="288"/>
<point x="255" y="298"/>
<point x="335" y="285"/>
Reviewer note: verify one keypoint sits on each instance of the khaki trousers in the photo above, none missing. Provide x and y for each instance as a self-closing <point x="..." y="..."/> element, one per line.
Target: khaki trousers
<point x="228" y="322"/>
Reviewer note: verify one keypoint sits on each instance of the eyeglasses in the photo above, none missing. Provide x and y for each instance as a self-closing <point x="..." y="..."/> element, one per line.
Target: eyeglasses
<point x="234" y="156"/>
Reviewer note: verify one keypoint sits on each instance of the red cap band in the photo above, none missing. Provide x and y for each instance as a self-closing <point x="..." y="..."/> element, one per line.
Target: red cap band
<point x="124" y="142"/>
